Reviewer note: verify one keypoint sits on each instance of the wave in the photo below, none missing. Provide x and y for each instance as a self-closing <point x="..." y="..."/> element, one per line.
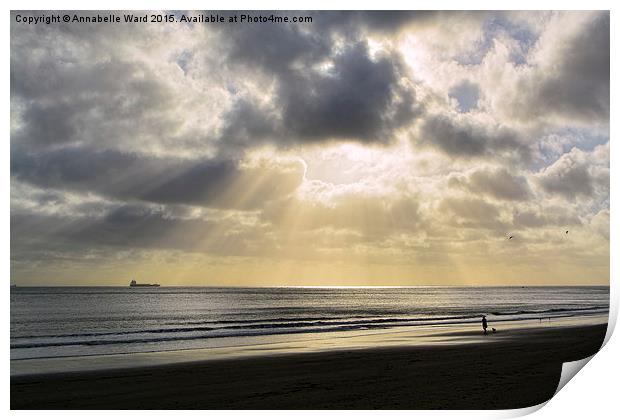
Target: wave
<point x="553" y="310"/>
<point x="270" y="323"/>
<point x="257" y="328"/>
<point x="251" y="324"/>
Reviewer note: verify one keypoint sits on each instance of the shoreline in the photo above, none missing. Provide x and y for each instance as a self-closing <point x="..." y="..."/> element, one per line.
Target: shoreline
<point x="296" y="343"/>
<point x="513" y="369"/>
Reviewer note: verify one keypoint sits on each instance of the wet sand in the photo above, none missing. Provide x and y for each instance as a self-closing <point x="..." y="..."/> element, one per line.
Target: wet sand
<point x="511" y="369"/>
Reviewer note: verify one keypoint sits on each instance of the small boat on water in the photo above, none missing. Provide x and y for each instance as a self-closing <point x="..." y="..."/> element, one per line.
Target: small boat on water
<point x="133" y="283"/>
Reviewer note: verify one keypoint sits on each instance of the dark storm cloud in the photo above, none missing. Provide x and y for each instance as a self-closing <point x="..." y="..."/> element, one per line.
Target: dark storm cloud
<point x="134" y="225"/>
<point x="390" y="21"/>
<point x="126" y="176"/>
<point x="78" y="85"/>
<point x="570" y="183"/>
<point x="323" y="92"/>
<point x="74" y="100"/>
<point x="581" y="88"/>
<point x="385" y="22"/>
<point x="464" y="139"/>
<point x="358" y="98"/>
<point x="50" y="125"/>
<point x="355" y="98"/>
<point x="126" y="227"/>
<point x="224" y="184"/>
<point x="354" y="24"/>
<point x="274" y="47"/>
<point x="578" y="85"/>
<point x="57" y="66"/>
<point x="249" y="122"/>
<point x="498" y="183"/>
<point x="578" y="174"/>
<point x="110" y="172"/>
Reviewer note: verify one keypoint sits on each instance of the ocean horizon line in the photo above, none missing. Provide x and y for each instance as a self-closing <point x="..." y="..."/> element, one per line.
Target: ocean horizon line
<point x="320" y="286"/>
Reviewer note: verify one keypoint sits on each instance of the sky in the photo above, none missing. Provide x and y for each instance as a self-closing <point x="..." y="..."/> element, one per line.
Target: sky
<point x="362" y="148"/>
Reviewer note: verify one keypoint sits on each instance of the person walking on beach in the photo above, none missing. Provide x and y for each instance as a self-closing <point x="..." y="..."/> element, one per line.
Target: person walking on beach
<point x="484" y="324"/>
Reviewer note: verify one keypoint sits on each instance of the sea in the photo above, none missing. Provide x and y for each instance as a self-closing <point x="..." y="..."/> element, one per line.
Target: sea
<point x="86" y="321"/>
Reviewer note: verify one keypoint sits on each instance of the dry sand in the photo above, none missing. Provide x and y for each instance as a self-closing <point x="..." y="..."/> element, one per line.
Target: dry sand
<point x="512" y="369"/>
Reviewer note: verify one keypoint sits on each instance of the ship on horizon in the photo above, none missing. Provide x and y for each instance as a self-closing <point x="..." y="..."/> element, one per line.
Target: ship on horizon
<point x="133" y="283"/>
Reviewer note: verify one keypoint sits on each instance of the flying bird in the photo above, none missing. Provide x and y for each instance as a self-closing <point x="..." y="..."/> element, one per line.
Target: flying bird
<point x="511" y="237"/>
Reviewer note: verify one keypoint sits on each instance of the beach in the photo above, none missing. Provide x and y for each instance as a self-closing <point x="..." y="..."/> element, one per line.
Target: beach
<point x="515" y="368"/>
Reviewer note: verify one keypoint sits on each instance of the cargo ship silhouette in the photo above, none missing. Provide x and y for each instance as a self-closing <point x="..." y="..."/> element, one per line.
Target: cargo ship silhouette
<point x="133" y="283"/>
